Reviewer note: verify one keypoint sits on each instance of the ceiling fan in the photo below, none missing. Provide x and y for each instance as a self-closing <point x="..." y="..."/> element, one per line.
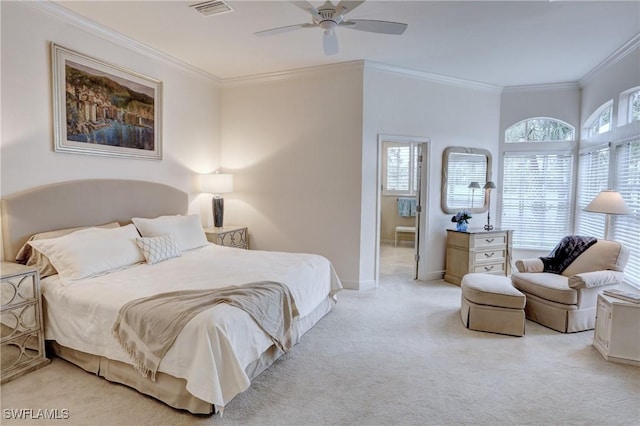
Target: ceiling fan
<point x="329" y="17"/>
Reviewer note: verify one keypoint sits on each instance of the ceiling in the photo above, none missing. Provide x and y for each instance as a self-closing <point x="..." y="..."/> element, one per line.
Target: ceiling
<point x="501" y="43"/>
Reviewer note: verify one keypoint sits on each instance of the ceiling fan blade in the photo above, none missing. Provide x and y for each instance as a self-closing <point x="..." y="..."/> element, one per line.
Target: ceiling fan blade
<point x="330" y="42"/>
<point x="382" y="27"/>
<point x="307" y="7"/>
<point x="345" y="7"/>
<point x="280" y="30"/>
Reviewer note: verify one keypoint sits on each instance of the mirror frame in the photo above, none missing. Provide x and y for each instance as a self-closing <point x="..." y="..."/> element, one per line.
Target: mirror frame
<point x="445" y="174"/>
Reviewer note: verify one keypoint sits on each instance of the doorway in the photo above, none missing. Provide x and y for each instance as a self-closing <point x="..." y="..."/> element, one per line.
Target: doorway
<point x="402" y="183"/>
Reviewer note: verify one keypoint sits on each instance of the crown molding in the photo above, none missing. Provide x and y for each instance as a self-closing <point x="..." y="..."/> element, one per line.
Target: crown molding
<point x="108" y="34"/>
<point x="292" y="73"/>
<point x="436" y="78"/>
<point x="616" y="56"/>
<point x="570" y="85"/>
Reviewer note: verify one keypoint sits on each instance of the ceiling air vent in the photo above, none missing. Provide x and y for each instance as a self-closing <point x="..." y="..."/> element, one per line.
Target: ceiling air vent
<point x="209" y="8"/>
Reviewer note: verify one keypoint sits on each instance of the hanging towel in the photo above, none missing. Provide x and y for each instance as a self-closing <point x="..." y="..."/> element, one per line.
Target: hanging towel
<point x="406" y="207"/>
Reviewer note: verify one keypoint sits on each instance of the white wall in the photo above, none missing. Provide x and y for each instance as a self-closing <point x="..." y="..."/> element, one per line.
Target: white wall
<point x="450" y="114"/>
<point x="293" y="144"/>
<point x="191" y="107"/>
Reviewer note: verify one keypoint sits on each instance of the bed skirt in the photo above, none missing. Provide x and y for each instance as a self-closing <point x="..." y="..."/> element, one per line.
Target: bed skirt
<point x="169" y="389"/>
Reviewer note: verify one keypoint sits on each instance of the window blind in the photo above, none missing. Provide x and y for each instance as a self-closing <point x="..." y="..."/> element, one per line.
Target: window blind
<point x="536" y="198"/>
<point x="626" y="229"/>
<point x="398" y="168"/>
<point x="593" y="177"/>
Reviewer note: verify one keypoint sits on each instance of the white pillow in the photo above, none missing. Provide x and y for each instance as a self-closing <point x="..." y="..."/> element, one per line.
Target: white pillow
<point x="186" y="230"/>
<point x="157" y="249"/>
<point x="91" y="252"/>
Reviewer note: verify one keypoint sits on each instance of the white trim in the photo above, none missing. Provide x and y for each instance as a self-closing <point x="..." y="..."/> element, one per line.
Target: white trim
<point x="369" y="65"/>
<point x="292" y="73"/>
<point x="358" y="285"/>
<point x="570" y="85"/>
<point x="616" y="56"/>
<point x="108" y="34"/>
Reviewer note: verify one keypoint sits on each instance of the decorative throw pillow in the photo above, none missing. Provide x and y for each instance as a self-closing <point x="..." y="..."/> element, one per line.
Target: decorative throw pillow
<point x="157" y="249"/>
<point x="186" y="230"/>
<point x="91" y="252"/>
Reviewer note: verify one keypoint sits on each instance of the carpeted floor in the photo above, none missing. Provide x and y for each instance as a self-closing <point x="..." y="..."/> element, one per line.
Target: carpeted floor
<point x="397" y="355"/>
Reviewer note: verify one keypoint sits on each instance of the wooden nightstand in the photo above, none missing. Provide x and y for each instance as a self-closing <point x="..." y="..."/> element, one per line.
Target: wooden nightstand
<point x="229" y="236"/>
<point x="488" y="252"/>
<point x="22" y="341"/>
<point x="617" y="333"/>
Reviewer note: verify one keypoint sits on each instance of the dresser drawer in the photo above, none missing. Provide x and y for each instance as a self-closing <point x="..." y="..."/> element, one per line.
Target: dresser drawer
<point x="490" y="268"/>
<point x="18" y="320"/>
<point x="490" y="255"/>
<point x="490" y="240"/>
<point x="18" y="289"/>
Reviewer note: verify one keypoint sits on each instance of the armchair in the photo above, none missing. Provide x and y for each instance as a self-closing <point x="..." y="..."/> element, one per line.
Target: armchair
<point x="567" y="302"/>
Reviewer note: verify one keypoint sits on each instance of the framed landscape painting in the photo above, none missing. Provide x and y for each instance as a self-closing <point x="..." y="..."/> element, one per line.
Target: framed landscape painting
<point x="103" y="109"/>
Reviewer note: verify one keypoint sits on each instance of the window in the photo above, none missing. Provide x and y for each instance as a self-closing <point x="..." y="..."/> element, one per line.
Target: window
<point x="634" y="106"/>
<point x="536" y="198"/>
<point x="593" y="177"/>
<point x="601" y="123"/>
<point x="537" y="182"/>
<point x="626" y="229"/>
<point x="400" y="168"/>
<point x="539" y="130"/>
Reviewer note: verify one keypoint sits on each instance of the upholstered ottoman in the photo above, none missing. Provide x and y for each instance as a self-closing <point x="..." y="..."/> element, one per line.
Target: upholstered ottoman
<point x="490" y="303"/>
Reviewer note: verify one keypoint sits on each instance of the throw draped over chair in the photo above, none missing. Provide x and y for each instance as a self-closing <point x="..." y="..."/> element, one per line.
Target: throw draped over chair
<point x="567" y="302"/>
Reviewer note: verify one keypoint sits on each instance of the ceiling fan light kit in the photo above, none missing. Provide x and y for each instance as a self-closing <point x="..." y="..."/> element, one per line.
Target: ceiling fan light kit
<point x="329" y="17"/>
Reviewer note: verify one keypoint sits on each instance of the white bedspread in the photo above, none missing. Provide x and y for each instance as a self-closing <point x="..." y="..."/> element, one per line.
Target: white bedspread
<point x="214" y="348"/>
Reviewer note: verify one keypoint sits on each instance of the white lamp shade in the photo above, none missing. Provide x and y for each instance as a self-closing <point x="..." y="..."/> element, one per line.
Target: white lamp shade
<point x="609" y="202"/>
<point x="216" y="183"/>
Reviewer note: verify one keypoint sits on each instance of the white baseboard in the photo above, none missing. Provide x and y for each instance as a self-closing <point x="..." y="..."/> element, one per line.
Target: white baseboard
<point x="359" y="285"/>
<point x="436" y="275"/>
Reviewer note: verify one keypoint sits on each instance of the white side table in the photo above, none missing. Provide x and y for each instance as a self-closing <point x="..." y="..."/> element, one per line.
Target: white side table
<point x="617" y="333"/>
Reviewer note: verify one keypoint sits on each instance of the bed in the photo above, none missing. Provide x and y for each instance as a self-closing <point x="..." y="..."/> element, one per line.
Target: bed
<point x="219" y="351"/>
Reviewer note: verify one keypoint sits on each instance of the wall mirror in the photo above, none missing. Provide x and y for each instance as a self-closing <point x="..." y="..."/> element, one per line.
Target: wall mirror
<point x="460" y="168"/>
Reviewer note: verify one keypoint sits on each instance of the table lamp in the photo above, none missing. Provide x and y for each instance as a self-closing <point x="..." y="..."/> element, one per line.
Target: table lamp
<point x="216" y="184"/>
<point x="488" y="187"/>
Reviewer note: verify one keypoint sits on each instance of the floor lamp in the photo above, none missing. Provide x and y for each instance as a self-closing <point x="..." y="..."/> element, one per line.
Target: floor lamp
<point x="488" y="187"/>
<point x="216" y="184"/>
<point x="608" y="202"/>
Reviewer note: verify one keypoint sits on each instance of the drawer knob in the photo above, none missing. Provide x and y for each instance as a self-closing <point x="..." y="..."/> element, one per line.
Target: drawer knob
<point x="489" y="254"/>
<point x="489" y="240"/>
<point x="488" y="268"/>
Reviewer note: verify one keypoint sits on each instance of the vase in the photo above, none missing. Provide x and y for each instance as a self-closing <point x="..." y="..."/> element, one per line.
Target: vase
<point x="461" y="226"/>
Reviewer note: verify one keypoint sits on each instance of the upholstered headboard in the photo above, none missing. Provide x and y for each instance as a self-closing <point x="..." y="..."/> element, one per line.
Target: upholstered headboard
<point x="83" y="203"/>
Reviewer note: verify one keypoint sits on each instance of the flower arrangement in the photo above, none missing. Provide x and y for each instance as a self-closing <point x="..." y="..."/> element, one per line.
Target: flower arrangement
<point x="462" y="217"/>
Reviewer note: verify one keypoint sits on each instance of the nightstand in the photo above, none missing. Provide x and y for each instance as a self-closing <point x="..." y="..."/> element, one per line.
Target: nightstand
<point x="229" y="236"/>
<point x="477" y="250"/>
<point x="617" y="333"/>
<point x="22" y="341"/>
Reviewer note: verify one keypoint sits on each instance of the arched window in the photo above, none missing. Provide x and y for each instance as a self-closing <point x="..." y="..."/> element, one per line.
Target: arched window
<point x="600" y="120"/>
<point x="539" y="129"/>
<point x="537" y="181"/>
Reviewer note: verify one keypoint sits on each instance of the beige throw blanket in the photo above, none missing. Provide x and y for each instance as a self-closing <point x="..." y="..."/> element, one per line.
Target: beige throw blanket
<point x="147" y="327"/>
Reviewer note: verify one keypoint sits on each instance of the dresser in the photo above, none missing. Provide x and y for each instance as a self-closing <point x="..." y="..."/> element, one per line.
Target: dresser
<point x="229" y="236"/>
<point x="477" y="250"/>
<point x="22" y="342"/>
